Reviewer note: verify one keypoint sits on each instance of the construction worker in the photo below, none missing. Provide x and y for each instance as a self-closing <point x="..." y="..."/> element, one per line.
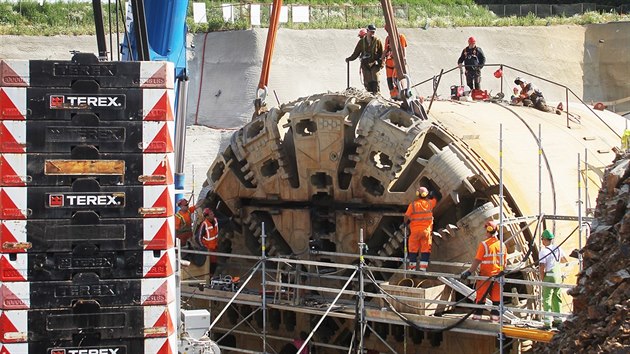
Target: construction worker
<point x="550" y="257"/>
<point x="530" y="96"/>
<point x="183" y="220"/>
<point x="362" y="32"/>
<point x="208" y="235"/>
<point x="492" y="263"/>
<point x="390" y="68"/>
<point x="419" y="214"/>
<point x="473" y="59"/>
<point x="370" y="50"/>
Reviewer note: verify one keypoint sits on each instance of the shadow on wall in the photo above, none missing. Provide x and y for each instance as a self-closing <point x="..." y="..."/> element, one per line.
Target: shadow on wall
<point x="607" y="63"/>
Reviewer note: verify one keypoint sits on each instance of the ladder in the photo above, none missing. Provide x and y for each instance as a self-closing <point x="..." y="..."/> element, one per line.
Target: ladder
<point x="465" y="290"/>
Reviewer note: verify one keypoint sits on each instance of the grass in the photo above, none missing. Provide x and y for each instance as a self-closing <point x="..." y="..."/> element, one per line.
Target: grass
<point x="30" y="18"/>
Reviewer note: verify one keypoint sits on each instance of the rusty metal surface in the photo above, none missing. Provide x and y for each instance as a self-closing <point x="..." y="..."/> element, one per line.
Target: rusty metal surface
<point x="84" y="167"/>
<point x="319" y="170"/>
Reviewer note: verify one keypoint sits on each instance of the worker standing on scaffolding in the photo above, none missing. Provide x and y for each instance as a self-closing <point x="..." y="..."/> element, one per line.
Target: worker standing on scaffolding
<point x="550" y="258"/>
<point x="183" y="220"/>
<point x="208" y="235"/>
<point x="489" y="257"/>
<point x="370" y="50"/>
<point x="420" y="217"/>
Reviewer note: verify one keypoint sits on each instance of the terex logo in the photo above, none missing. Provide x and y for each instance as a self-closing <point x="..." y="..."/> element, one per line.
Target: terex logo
<point x="97" y="200"/>
<point x="85" y="351"/>
<point x="74" y="101"/>
<point x="74" y="200"/>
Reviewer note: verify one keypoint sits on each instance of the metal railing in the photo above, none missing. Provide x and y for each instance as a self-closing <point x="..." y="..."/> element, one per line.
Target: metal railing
<point x="435" y="80"/>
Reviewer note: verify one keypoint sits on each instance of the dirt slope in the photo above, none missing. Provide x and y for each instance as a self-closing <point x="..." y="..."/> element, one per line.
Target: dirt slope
<point x="601" y="299"/>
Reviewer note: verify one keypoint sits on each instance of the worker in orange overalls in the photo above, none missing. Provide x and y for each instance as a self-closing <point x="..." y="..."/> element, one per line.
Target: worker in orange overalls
<point x="420" y="217"/>
<point x="183" y="220"/>
<point x="208" y="235"/>
<point x="390" y="68"/>
<point x="492" y="256"/>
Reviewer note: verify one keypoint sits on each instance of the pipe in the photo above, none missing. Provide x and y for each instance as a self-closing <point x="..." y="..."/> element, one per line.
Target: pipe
<point x="180" y="136"/>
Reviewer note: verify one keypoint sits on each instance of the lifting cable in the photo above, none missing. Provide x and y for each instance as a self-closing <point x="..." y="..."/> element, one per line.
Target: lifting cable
<point x="274" y="23"/>
<point x="397" y="50"/>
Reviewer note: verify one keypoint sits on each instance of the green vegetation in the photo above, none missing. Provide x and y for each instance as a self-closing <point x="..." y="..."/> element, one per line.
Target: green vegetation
<point x="30" y="18"/>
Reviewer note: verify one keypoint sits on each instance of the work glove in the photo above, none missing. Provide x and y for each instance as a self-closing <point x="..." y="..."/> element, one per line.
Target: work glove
<point x="465" y="275"/>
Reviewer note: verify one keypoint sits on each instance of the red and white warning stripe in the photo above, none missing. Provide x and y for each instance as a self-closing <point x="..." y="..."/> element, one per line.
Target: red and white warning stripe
<point x="157" y="74"/>
<point x="159" y="233"/>
<point x="158" y="264"/>
<point x="13" y="348"/>
<point x="166" y="345"/>
<point x="157" y="201"/>
<point x="13" y="203"/>
<point x="160" y="321"/>
<point x="13" y="326"/>
<point x="13" y="136"/>
<point x="158" y="291"/>
<point x="158" y="105"/>
<point x="158" y="168"/>
<point x="14" y="267"/>
<point x="14" y="73"/>
<point x="15" y="296"/>
<point x="13" y="170"/>
<point x="12" y="103"/>
<point x="13" y="238"/>
<point x="158" y="136"/>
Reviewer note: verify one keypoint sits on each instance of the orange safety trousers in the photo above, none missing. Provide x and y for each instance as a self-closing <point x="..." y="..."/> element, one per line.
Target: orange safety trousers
<point x="390" y="72"/>
<point x="420" y="238"/>
<point x="481" y="287"/>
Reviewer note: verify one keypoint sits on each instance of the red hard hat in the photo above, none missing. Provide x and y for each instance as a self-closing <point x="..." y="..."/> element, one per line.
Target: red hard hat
<point x="491" y="226"/>
<point x="498" y="74"/>
<point x="362" y="32"/>
<point x="182" y="202"/>
<point x="471" y="40"/>
<point x="207" y="212"/>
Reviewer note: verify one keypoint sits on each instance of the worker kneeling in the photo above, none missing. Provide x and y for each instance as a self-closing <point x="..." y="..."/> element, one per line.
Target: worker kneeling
<point x="419" y="215"/>
<point x="491" y="255"/>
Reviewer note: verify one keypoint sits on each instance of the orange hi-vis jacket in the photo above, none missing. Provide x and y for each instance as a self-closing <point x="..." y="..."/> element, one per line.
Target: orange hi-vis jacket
<point x="488" y="253"/>
<point x="183" y="224"/>
<point x="210" y="234"/>
<point x="420" y="213"/>
<point x="389" y="60"/>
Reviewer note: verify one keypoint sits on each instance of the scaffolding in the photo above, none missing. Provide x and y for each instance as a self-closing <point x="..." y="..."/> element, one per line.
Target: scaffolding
<point x="517" y="322"/>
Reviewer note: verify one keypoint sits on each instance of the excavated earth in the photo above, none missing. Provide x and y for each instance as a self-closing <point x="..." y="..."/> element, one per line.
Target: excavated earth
<point x="601" y="299"/>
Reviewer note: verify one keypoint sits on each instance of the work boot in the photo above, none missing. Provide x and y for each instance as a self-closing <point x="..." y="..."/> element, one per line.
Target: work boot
<point x="411" y="266"/>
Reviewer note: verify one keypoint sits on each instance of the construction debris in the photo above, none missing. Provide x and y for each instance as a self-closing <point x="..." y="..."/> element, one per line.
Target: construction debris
<point x="601" y="299"/>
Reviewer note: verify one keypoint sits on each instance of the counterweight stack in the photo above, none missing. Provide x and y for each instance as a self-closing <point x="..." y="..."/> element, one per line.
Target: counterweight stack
<point x="86" y="193"/>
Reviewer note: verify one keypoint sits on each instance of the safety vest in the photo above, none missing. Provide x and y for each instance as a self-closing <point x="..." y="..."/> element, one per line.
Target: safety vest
<point x="209" y="234"/>
<point x="470" y="56"/>
<point x="183" y="222"/>
<point x="421" y="211"/>
<point x="491" y="263"/>
<point x="388" y="50"/>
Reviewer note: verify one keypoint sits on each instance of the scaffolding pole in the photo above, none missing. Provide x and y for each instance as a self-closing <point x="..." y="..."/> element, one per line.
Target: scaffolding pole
<point x="264" y="288"/>
<point x="501" y="250"/>
<point x="361" y="298"/>
<point x="579" y="202"/>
